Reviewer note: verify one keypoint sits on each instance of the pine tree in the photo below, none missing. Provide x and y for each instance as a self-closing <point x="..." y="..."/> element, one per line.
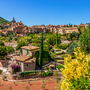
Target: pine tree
<point x="41" y="52"/>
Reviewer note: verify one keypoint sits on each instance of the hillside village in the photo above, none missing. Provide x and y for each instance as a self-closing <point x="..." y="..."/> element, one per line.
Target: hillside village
<point x="36" y="52"/>
<point x="25" y="57"/>
<point x="19" y="28"/>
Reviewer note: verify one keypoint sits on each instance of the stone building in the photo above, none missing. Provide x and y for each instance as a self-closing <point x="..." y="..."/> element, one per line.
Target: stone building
<point x="67" y="30"/>
<point x="26" y="59"/>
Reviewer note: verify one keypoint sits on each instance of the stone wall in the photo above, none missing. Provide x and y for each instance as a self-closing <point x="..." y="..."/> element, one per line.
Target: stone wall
<point x="29" y="66"/>
<point x="4" y="63"/>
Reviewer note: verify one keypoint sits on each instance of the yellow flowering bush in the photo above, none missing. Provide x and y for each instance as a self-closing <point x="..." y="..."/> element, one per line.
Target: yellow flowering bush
<point x="74" y="69"/>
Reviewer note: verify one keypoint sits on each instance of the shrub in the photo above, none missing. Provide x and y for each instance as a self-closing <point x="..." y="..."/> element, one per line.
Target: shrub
<point x="57" y="80"/>
<point x="64" y="46"/>
<point x="73" y="57"/>
<point x="20" y="44"/>
<point x="1" y="71"/>
<point x="52" y="50"/>
<point x="13" y="82"/>
<point x="4" y="77"/>
<point x="15" y="38"/>
<point x="34" y="44"/>
<point x="43" y="85"/>
<point x="10" y="88"/>
<point x="52" y="56"/>
<point x="1" y="43"/>
<point x="27" y="88"/>
<point x="23" y="74"/>
<point x="60" y="66"/>
<point x="48" y="73"/>
<point x="28" y="82"/>
<point x="76" y="74"/>
<point x="6" y="40"/>
<point x="15" y="68"/>
<point x="71" y="48"/>
<point x="3" y="38"/>
<point x="56" y="73"/>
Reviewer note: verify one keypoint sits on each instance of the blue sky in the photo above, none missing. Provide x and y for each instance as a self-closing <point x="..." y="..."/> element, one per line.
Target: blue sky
<point x="54" y="12"/>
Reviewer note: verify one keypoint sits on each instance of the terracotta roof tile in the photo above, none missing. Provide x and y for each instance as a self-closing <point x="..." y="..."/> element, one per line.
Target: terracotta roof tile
<point x="22" y="57"/>
<point x="30" y="47"/>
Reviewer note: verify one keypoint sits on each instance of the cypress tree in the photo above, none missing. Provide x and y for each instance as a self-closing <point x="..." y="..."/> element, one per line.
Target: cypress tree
<point x="41" y="52"/>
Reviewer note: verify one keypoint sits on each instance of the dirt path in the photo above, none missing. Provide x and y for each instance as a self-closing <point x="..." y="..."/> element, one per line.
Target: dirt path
<point x="34" y="85"/>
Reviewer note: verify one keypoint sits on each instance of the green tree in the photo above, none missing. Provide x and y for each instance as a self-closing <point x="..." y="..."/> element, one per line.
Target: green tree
<point x="41" y="53"/>
<point x="20" y="44"/>
<point x="15" y="38"/>
<point x="80" y="28"/>
<point x="2" y="52"/>
<point x="1" y="43"/>
<point x="58" y="39"/>
<point x="9" y="49"/>
<point x="73" y="35"/>
<point x="2" y="34"/>
<point x="85" y="40"/>
<point x="51" y="39"/>
<point x="71" y="48"/>
<point x="35" y="36"/>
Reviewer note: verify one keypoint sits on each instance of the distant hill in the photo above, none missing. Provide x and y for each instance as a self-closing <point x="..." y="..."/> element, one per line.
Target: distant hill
<point x="2" y="20"/>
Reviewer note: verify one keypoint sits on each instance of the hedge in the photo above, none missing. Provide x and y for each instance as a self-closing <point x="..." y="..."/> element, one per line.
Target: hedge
<point x="23" y="74"/>
<point x="48" y="73"/>
<point x="64" y="46"/>
<point x="60" y="66"/>
<point x="1" y="71"/>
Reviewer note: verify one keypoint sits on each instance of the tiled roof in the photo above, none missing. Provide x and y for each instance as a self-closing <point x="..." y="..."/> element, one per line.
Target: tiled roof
<point x="31" y="60"/>
<point x="30" y="47"/>
<point x="22" y="57"/>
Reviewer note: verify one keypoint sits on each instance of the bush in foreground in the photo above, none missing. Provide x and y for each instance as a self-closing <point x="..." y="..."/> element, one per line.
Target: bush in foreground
<point x="76" y="74"/>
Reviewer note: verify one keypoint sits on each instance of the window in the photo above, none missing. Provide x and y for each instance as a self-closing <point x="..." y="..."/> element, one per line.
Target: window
<point x="20" y="63"/>
<point x="28" y="53"/>
<point x="27" y="65"/>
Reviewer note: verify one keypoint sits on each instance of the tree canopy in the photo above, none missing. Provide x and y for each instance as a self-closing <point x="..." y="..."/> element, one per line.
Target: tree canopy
<point x="85" y="40"/>
<point x="20" y="44"/>
<point x="4" y="50"/>
<point x="1" y="43"/>
<point x="71" y="48"/>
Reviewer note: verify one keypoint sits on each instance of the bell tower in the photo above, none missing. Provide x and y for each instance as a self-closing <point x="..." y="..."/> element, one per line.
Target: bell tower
<point x="13" y="20"/>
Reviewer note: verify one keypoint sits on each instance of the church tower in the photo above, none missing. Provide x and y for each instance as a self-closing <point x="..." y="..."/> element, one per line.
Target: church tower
<point x="13" y="20"/>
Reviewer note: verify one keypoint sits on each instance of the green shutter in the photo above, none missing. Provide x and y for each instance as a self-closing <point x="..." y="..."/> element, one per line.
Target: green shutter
<point x="29" y="53"/>
<point x="20" y="63"/>
<point x="24" y="51"/>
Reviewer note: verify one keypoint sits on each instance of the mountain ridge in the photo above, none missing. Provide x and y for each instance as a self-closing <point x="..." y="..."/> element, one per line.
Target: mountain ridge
<point x="2" y="20"/>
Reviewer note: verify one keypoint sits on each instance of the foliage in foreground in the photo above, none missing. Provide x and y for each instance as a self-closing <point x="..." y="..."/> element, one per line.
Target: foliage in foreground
<point x="76" y="73"/>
